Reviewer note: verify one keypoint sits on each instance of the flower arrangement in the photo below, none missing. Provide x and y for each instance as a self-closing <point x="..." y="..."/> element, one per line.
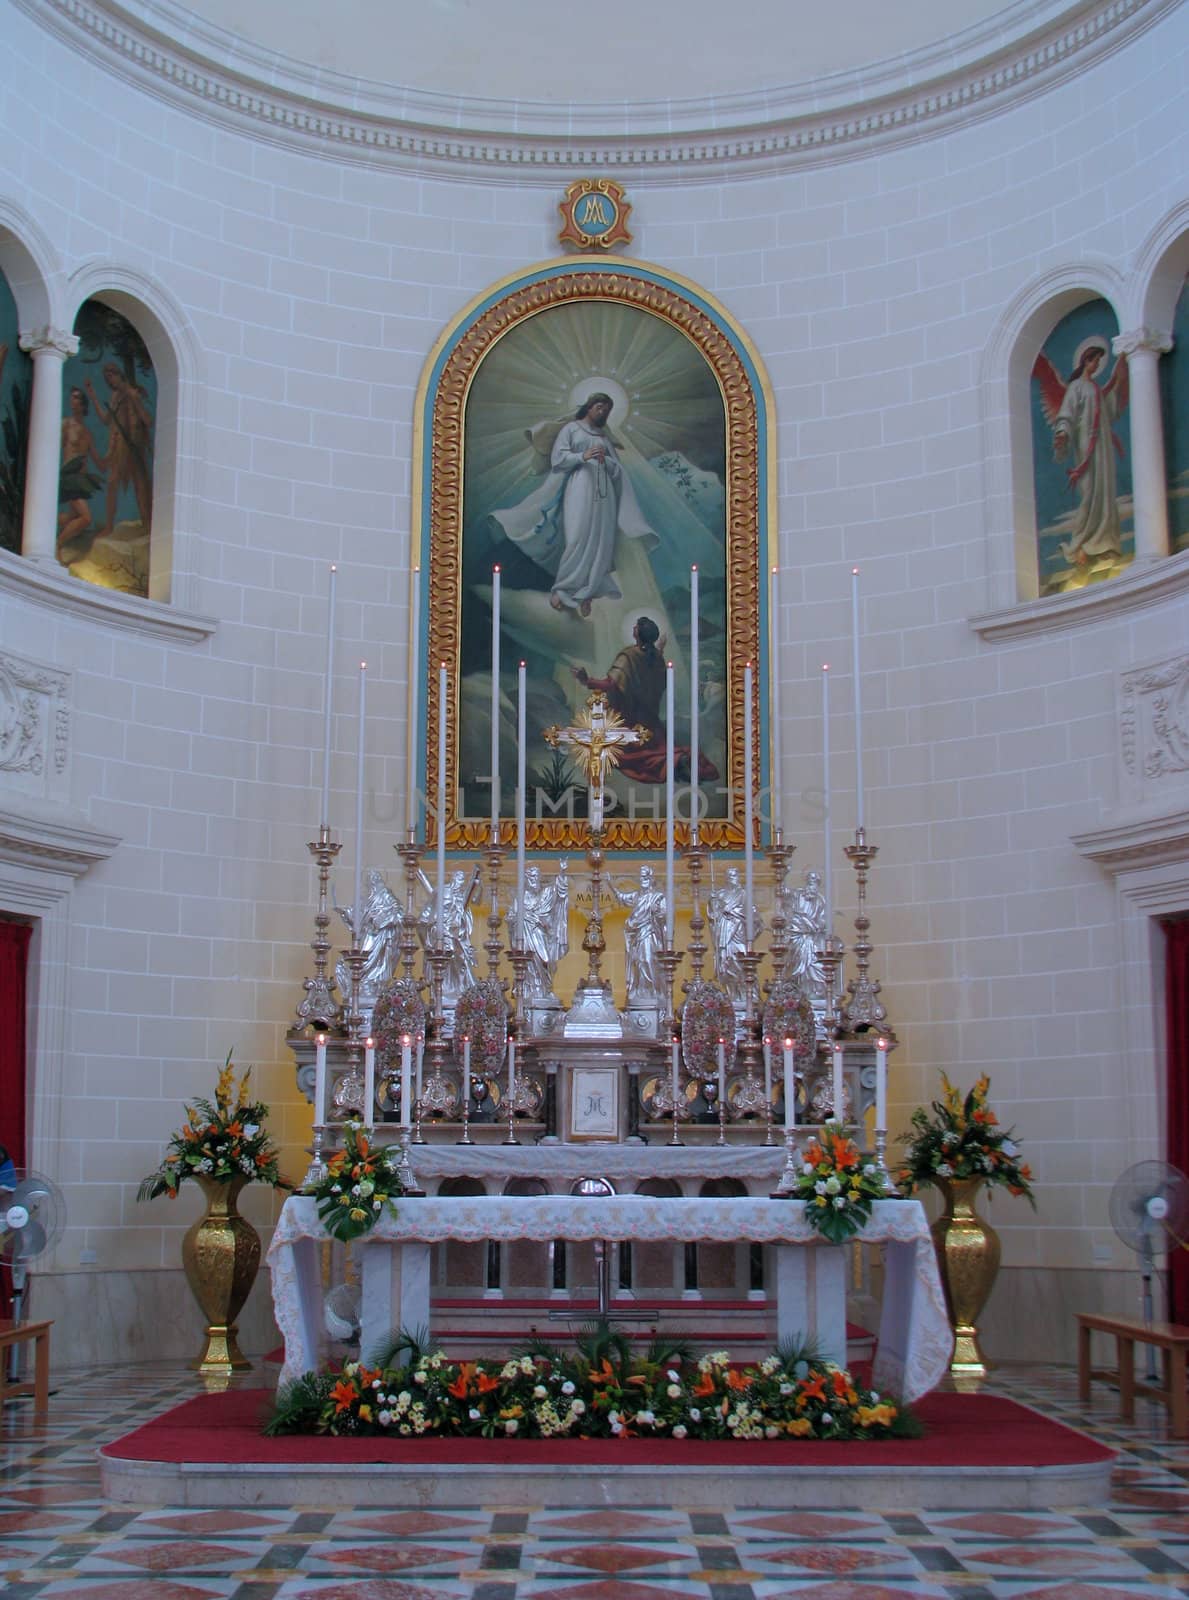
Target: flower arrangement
<point x="222" y="1141"/>
<point x="837" y="1185"/>
<point x="960" y="1137"/>
<point x="360" y="1184"/>
<point x="600" y="1394"/>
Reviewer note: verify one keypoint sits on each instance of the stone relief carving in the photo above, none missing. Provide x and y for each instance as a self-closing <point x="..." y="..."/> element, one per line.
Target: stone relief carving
<point x="1154" y="725"/>
<point x="34" y="726"/>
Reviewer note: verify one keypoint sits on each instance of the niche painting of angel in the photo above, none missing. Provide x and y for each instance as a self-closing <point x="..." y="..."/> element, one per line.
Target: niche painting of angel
<point x="1085" y="529"/>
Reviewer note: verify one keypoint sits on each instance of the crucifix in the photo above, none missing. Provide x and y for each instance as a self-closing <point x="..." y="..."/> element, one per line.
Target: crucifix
<point x="599" y="733"/>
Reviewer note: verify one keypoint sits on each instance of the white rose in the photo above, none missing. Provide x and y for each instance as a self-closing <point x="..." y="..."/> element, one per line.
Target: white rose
<point x="384" y="1418"/>
<point x="672" y="1376"/>
<point x="826" y="1419"/>
<point x="539" y="1391"/>
<point x="567" y="1387"/>
<point x="832" y="1186"/>
<point x="839" y="1202"/>
<point x="679" y="1432"/>
<point x="674" y="1391"/>
<point x="511" y="1425"/>
<point x="577" y="1408"/>
<point x="694" y="1414"/>
<point x="474" y="1413"/>
<point x="251" y="1129"/>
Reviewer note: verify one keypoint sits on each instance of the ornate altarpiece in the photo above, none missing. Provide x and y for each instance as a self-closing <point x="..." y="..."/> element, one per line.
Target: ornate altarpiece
<point x="692" y="329"/>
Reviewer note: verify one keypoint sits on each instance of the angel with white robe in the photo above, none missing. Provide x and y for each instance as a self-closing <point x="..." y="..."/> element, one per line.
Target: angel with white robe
<point x="1080" y="414"/>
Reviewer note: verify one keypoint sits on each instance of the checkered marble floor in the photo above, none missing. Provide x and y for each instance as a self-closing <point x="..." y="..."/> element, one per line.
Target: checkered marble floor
<point x="58" y="1537"/>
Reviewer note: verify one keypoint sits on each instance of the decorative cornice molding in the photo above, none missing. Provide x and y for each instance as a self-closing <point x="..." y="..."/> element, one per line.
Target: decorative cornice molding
<point x="50" y="587"/>
<point x="54" y="840"/>
<point x="1133" y="590"/>
<point x="1135" y="842"/>
<point x="517" y="142"/>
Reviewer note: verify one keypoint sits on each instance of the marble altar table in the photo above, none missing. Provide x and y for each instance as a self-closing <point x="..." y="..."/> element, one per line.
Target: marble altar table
<point x="915" y="1340"/>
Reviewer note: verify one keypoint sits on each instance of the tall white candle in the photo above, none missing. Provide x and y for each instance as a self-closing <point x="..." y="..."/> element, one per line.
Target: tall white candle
<point x="722" y="1071"/>
<point x="420" y="1062"/>
<point x="829" y="871"/>
<point x="748" y="810"/>
<point x="767" y="1069"/>
<point x="466" y="1066"/>
<point x="695" y="793"/>
<point x="412" y="765"/>
<point x="854" y="610"/>
<point x="320" y="1080"/>
<point x="495" y="705"/>
<point x="670" y="813"/>
<point x="369" y="1083"/>
<point x="406" y="1080"/>
<point x="328" y="701"/>
<point x="790" y="1086"/>
<point x="521" y="741"/>
<point x="675" y="1070"/>
<point x="511" y="1075"/>
<point x="881" y="1083"/>
<point x="441" y="806"/>
<point x="357" y="903"/>
<point x="838" y="1086"/>
<point x="774" y="701"/>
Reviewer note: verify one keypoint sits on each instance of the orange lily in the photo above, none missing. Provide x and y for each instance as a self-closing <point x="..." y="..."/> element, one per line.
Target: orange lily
<point x="461" y="1384"/>
<point x="603" y="1374"/>
<point x="704" y="1386"/>
<point x="344" y="1396"/>
<point x="487" y="1383"/>
<point x="738" y="1380"/>
<point x="814" y="1388"/>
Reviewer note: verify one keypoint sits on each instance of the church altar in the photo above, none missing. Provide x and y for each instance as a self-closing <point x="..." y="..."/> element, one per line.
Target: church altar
<point x="915" y="1340"/>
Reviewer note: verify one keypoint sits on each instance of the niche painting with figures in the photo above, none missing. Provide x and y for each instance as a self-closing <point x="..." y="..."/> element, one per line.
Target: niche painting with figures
<point x="595" y="434"/>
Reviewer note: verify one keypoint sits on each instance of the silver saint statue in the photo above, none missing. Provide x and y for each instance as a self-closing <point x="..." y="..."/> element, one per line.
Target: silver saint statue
<point x="805" y="925"/>
<point x="542" y="929"/>
<point x="375" y="927"/>
<point x="728" y="929"/>
<point x="457" y="931"/>
<point x="644" y="939"/>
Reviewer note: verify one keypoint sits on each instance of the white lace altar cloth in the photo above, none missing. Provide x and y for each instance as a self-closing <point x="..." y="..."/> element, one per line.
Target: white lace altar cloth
<point x="915" y="1340"/>
<point x="625" y="1164"/>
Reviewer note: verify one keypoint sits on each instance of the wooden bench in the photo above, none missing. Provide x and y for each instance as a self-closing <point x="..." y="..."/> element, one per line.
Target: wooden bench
<point x="1170" y="1338"/>
<point x="15" y="1333"/>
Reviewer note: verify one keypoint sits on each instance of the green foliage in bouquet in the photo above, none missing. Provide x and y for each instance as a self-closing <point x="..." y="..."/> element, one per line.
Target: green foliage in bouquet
<point x="598" y="1392"/>
<point x="960" y="1137"/>
<point x="837" y="1185"/>
<point x="359" y="1186"/>
<point x="220" y="1140"/>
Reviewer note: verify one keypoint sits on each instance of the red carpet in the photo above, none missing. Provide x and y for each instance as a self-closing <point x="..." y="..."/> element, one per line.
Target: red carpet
<point x="969" y="1430"/>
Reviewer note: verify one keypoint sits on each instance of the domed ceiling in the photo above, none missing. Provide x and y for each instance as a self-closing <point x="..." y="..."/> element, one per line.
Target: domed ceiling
<point x="617" y="50"/>
<point x="517" y="90"/>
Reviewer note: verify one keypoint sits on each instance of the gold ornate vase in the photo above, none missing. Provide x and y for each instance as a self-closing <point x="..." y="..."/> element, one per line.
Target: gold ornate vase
<point x="968" y="1257"/>
<point x="221" y="1256"/>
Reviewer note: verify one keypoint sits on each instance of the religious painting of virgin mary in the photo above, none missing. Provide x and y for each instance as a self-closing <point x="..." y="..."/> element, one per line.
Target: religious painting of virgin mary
<point x="596" y="474"/>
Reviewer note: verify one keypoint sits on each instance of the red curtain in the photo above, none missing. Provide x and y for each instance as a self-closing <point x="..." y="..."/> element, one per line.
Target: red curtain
<point x="14" y="953"/>
<point x="1177" y="1138"/>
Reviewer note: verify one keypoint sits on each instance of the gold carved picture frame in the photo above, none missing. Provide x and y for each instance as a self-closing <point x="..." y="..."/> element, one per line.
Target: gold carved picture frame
<point x="464" y="442"/>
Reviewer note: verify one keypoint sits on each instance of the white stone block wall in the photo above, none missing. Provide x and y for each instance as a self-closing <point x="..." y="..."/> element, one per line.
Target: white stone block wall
<point x="307" y="293"/>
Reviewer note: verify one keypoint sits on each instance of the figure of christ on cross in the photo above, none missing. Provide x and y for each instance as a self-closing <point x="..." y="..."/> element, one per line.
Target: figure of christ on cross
<point x="599" y="734"/>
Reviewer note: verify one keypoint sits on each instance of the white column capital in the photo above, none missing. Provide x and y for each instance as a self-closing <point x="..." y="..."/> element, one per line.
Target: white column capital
<point x="1151" y="340"/>
<point x="37" y="340"/>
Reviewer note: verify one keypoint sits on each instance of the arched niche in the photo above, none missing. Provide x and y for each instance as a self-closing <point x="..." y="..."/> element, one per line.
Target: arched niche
<point x="172" y="349"/>
<point x="503" y="379"/>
